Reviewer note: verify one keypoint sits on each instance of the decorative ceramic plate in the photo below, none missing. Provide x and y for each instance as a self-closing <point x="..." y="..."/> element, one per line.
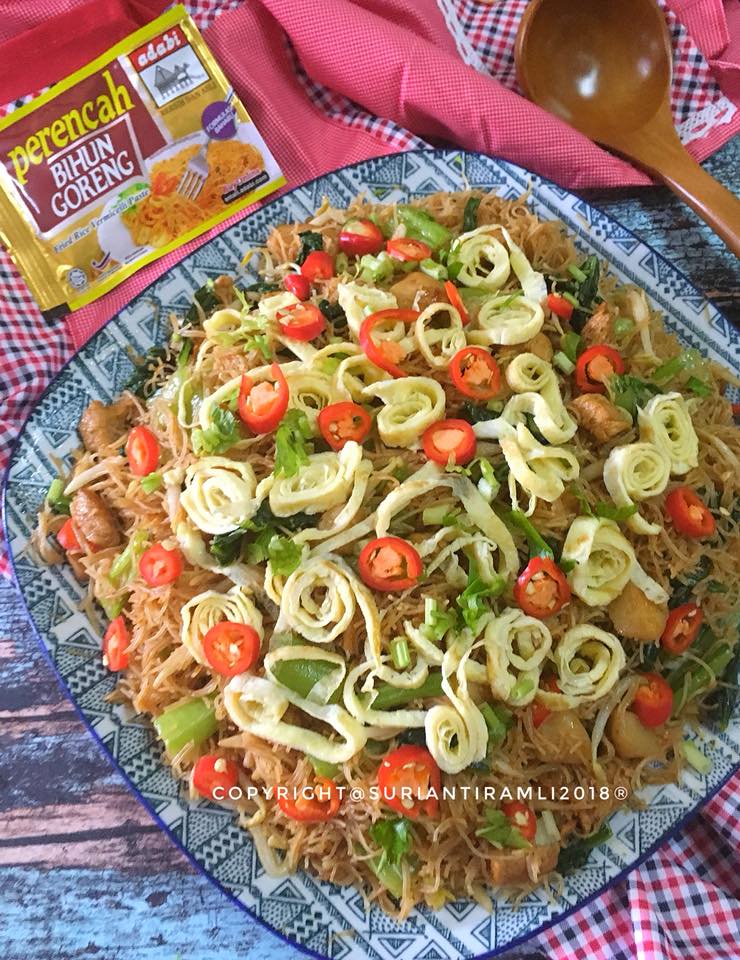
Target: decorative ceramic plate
<point x="312" y="914"/>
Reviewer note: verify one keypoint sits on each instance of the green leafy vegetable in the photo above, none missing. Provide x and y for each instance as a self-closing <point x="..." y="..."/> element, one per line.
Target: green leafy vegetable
<point x="190" y="722"/>
<point x="683" y="590"/>
<point x="225" y="548"/>
<point x="322" y="768"/>
<point x="112" y="606"/>
<point x="334" y="314"/>
<point x="720" y="707"/>
<point x="433" y="269"/>
<point x="291" y="448"/>
<point x="473" y="600"/>
<point x="690" y="678"/>
<point x="206" y="298"/>
<point x="156" y="360"/>
<point x="394" y="837"/>
<point x="184" y="355"/>
<point x="126" y="564"/>
<point x="151" y="482"/>
<point x="310" y="241"/>
<point x="501" y="832"/>
<point x="714" y="586"/>
<point x="220" y="436"/>
<point x="377" y="269"/>
<point x="577" y="852"/>
<point x="56" y="499"/>
<point x="301" y="676"/>
<point x="476" y="412"/>
<point x="260" y="342"/>
<point x="582" y="291"/>
<point x="699" y="387"/>
<point x="576" y="272"/>
<point x="602" y="508"/>
<point x="470" y="214"/>
<point x="261" y="286"/>
<point x="266" y="518"/>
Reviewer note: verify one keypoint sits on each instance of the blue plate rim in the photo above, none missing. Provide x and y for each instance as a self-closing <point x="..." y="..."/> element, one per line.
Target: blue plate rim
<point x="690" y="814"/>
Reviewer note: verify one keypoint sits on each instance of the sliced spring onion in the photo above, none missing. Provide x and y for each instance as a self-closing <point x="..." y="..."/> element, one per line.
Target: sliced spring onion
<point x="623" y="326"/>
<point x="695" y="758"/>
<point x="388" y="697"/>
<point x="434" y="516"/>
<point x="432" y="269"/>
<point x="56" y="499"/>
<point x="400" y="653"/>
<point x="191" y="722"/>
<point x="576" y="272"/>
<point x="570" y="344"/>
<point x="699" y="387"/>
<point x="570" y="298"/>
<point x="521" y="688"/>
<point x="322" y="768"/>
<point x="125" y="564"/>
<point x="563" y="363"/>
<point x="423" y="226"/>
<point x="151" y="482"/>
<point x="112" y="606"/>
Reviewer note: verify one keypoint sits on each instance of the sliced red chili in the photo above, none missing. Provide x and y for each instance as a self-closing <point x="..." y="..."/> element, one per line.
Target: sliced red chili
<point x="453" y="295"/>
<point x="318" y="265"/>
<point x="594" y="367"/>
<point x="231" y="648"/>
<point x="689" y="513"/>
<point x="344" y="421"/>
<point x="560" y="306"/>
<point x="214" y="776"/>
<point x="315" y="804"/>
<point x="541" y="588"/>
<point x="159" y="566"/>
<point x="540" y="712"/>
<point x="142" y="451"/>
<point x="298" y="285"/>
<point x="115" y="645"/>
<point x="262" y="406"/>
<point x="408" y="248"/>
<point x="385" y="353"/>
<point x="389" y="563"/>
<point x="67" y="537"/>
<point x="449" y="441"/>
<point x="653" y="701"/>
<point x="360" y="236"/>
<point x="681" y="628"/>
<point x="301" y="321"/>
<point x="475" y="373"/>
<point x="409" y="781"/>
<point x="522" y="817"/>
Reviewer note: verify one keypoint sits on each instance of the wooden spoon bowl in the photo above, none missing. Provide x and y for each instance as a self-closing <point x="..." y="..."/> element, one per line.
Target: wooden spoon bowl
<point x="605" y="68"/>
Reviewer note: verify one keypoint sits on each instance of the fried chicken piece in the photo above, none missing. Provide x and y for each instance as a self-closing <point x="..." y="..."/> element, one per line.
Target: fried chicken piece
<point x="95" y="519"/>
<point x="599" y="328"/>
<point x="599" y="416"/>
<point x="101" y="424"/>
<point x="416" y="291"/>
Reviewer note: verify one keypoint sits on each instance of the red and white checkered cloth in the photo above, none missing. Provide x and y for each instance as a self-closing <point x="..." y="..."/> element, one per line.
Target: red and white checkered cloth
<point x="684" y="900"/>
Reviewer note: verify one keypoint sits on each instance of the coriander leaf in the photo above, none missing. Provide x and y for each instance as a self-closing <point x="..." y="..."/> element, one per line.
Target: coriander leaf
<point x="470" y="214"/>
<point x="56" y="499"/>
<point x="206" y="298"/>
<point x="310" y="241"/>
<point x="473" y="600"/>
<point x="222" y="434"/>
<point x="500" y="831"/>
<point x="151" y="482"/>
<point x="284" y="555"/>
<point x="630" y="392"/>
<point x="394" y="837"/>
<point x="576" y="853"/>
<point x="291" y="449"/>
<point x="258" y="550"/>
<point x="261" y="342"/>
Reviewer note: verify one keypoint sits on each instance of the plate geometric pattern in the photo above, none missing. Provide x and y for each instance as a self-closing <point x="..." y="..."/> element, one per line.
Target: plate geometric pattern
<point x="314" y="915"/>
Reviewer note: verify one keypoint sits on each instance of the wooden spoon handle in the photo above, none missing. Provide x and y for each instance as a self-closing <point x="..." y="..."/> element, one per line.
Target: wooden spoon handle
<point x="716" y="205"/>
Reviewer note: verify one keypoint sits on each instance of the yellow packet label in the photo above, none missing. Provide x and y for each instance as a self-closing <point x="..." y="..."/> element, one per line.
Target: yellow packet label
<point x="125" y="160"/>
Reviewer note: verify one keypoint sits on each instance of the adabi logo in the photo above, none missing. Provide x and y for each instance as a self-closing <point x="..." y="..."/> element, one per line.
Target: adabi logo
<point x="158" y="48"/>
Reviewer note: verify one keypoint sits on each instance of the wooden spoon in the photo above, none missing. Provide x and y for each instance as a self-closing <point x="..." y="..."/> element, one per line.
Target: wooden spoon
<point x="605" y="68"/>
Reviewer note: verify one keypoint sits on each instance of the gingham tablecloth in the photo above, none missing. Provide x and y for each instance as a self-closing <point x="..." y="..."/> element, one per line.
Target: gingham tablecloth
<point x="682" y="902"/>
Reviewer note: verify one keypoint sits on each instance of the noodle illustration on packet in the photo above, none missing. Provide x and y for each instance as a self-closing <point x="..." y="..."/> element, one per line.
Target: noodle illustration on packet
<point x="130" y="157"/>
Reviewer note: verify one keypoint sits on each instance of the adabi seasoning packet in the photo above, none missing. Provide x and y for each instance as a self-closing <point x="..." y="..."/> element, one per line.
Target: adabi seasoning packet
<point x="130" y="157"/>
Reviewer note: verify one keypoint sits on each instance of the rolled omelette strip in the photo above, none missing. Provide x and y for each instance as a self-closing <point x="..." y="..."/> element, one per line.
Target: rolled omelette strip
<point x="541" y="471"/>
<point x="604" y="561"/>
<point x="589" y="661"/>
<point x="636" y="472"/>
<point x="666" y="422"/>
<point x="410" y="405"/>
<point x="456" y="732"/>
<point x="516" y="647"/>
<point x="484" y="260"/>
<point x="438" y="342"/>
<point x="219" y="494"/>
<point x="324" y="482"/>
<point x="257" y="705"/>
<point x="505" y="320"/>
